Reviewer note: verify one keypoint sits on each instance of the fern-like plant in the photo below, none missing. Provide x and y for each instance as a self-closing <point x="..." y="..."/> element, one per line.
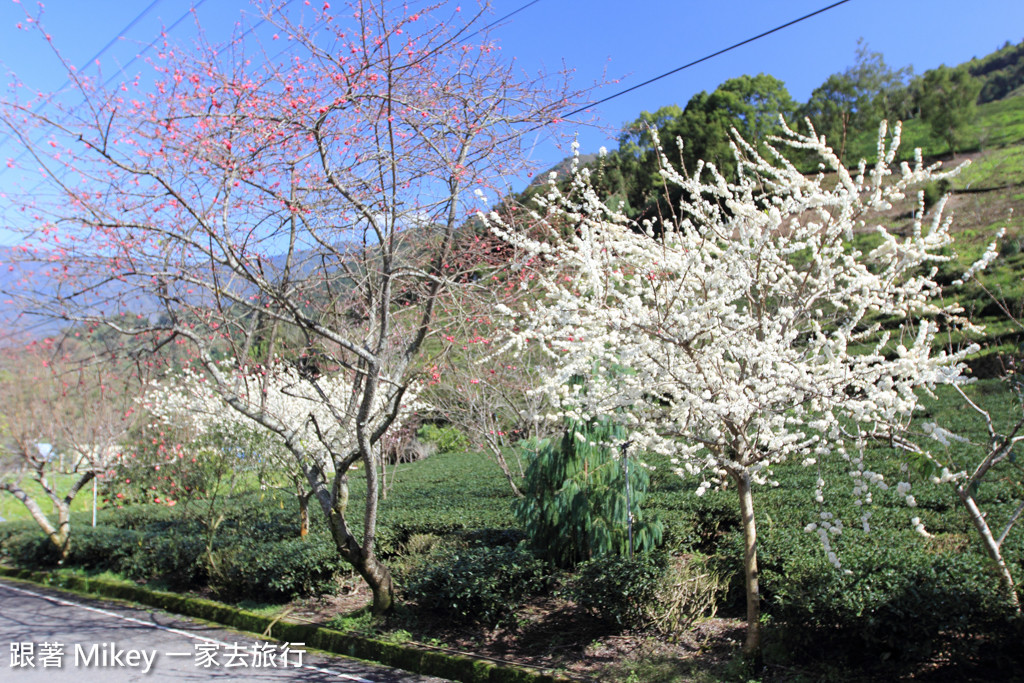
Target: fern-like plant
<point x="579" y="498"/>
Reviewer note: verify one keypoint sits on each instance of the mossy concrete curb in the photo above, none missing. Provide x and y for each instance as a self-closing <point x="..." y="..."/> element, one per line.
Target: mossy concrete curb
<point x="417" y="660"/>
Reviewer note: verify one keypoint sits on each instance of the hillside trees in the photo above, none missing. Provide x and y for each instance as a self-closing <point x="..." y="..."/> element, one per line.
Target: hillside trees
<point x="630" y="177"/>
<point x="232" y="191"/>
<point x="1000" y="73"/>
<point x="748" y="332"/>
<point x="948" y="101"/>
<point x="855" y="100"/>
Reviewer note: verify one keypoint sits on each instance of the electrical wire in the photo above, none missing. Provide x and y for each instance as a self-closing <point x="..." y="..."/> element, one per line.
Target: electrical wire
<point x="575" y="111"/>
<point x="698" y="61"/>
<point x="498" y="21"/>
<point x="118" y="36"/>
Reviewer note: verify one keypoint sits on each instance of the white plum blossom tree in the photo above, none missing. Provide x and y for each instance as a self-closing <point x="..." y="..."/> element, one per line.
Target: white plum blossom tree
<point x="315" y="414"/>
<point x="746" y="329"/>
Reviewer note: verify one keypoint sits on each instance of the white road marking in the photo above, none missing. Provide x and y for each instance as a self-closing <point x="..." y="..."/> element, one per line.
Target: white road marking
<point x="187" y="634"/>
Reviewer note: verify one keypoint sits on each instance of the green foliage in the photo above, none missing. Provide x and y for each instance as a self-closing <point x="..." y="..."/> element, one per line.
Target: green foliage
<point x="478" y="584"/>
<point x="279" y="570"/>
<point x="1000" y="73"/>
<point x="29" y="549"/>
<point x="852" y="102"/>
<point x="948" y="102"/>
<point x="653" y="590"/>
<point x="103" y="547"/>
<point x="933" y="192"/>
<point x="575" y="493"/>
<point x="447" y="439"/>
<point x="174" y="558"/>
<point x="996" y="169"/>
<point x="750" y="104"/>
<point x="892" y="600"/>
<point x="619" y="589"/>
<point x="255" y="555"/>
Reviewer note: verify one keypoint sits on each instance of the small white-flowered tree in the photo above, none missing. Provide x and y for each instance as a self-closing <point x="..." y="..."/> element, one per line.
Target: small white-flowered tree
<point x="312" y="414"/>
<point x="747" y="329"/>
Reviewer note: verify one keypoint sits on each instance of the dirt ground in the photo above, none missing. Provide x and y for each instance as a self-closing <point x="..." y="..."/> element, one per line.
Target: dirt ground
<point x="552" y="634"/>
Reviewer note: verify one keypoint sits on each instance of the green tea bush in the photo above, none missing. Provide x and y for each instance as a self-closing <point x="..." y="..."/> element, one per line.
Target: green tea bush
<point x="619" y="589"/>
<point x="895" y="598"/>
<point x="143" y="517"/>
<point x="177" y="559"/>
<point x="31" y="550"/>
<point x="103" y="547"/>
<point x="9" y="530"/>
<point x="696" y="524"/>
<point x="478" y="584"/>
<point x="447" y="439"/>
<point x="275" y="571"/>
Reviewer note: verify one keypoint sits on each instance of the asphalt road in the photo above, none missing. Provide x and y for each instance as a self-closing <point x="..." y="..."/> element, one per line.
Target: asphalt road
<point x="47" y="635"/>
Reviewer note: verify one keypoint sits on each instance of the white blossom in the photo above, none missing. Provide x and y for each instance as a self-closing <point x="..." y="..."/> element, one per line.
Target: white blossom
<point x="279" y="391"/>
<point x="745" y="331"/>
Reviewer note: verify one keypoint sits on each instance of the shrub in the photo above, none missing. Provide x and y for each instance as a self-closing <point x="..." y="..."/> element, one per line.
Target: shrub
<point x="179" y="559"/>
<point x="276" y="571"/>
<point x="103" y="547"/>
<point x="31" y="550"/>
<point x="478" y="584"/>
<point x="651" y="590"/>
<point x="933" y="192"/>
<point x="892" y="600"/>
<point x="143" y="517"/>
<point x="447" y="439"/>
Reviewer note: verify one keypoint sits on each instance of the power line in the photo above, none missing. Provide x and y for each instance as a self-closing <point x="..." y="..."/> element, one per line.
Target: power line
<point x="138" y="55"/>
<point x="120" y="34"/>
<point x="498" y="21"/>
<point x="702" y="59"/>
<point x="109" y="45"/>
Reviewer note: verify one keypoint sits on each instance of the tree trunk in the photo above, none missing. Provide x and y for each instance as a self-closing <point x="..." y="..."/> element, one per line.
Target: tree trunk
<point x="992" y="546"/>
<point x="59" y="535"/>
<point x="303" y="497"/>
<point x="378" y="577"/>
<point x="373" y="571"/>
<point x="360" y="556"/>
<point x="752" y="645"/>
<point x="500" y="457"/>
<point x="63" y="537"/>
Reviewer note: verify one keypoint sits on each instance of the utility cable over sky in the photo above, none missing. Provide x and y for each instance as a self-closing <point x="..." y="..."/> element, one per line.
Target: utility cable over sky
<point x="707" y="57"/>
<point x="695" y="62"/>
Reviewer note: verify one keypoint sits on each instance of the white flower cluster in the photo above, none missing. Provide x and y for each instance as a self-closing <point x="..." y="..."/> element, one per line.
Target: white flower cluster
<point x="990" y="255"/>
<point x="942" y="435"/>
<point x="318" y="413"/>
<point x="919" y="527"/>
<point x="744" y="332"/>
<point x="825" y="528"/>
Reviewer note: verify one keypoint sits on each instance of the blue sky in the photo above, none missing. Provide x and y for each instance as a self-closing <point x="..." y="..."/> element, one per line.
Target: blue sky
<point x="599" y="39"/>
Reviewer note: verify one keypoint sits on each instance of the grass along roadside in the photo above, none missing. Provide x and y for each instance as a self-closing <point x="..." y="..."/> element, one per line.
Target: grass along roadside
<point x="422" y="660"/>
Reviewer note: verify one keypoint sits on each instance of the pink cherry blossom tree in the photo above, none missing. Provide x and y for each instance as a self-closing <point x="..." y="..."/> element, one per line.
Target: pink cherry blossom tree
<point x="308" y="178"/>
